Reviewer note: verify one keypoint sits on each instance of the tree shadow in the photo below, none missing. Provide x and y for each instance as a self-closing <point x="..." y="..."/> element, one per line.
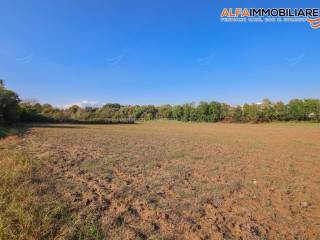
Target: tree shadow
<point x="13" y="130"/>
<point x="45" y="125"/>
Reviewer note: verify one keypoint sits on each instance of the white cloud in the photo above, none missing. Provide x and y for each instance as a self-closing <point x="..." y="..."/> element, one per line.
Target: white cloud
<point x="83" y="104"/>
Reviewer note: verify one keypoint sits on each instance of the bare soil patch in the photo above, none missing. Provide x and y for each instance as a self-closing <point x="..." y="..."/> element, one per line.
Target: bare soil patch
<point x="171" y="180"/>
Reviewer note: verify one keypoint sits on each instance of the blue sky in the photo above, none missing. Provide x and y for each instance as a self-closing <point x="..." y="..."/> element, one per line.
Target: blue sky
<point x="154" y="52"/>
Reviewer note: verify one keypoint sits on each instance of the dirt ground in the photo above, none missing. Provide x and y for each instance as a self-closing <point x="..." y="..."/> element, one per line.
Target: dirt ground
<point x="171" y="180"/>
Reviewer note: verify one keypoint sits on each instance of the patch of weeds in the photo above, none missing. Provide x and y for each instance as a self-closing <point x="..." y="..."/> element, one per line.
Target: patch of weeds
<point x="156" y="184"/>
<point x="197" y="157"/>
<point x="160" y="237"/>
<point x="23" y="213"/>
<point x="182" y="208"/>
<point x="151" y="163"/>
<point x="26" y="214"/>
<point x="196" y="186"/>
<point x="176" y="168"/>
<point x="3" y="133"/>
<point x="89" y="229"/>
<point x="111" y="161"/>
<point x="184" y="193"/>
<point x="91" y="165"/>
<point x="176" y="155"/>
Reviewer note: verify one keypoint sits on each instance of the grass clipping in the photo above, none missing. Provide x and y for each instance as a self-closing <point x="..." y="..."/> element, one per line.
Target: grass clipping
<point x="29" y="209"/>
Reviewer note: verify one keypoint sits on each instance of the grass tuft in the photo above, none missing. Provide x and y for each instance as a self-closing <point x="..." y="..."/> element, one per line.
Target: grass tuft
<point x="24" y="214"/>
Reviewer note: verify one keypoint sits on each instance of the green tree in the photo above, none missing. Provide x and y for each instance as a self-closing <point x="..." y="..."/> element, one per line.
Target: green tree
<point x="255" y="113"/>
<point x="267" y="110"/>
<point x="165" y="111"/>
<point x="235" y="114"/>
<point x="187" y="108"/>
<point x="203" y="112"/>
<point x="177" y="112"/>
<point x="195" y="116"/>
<point x="312" y="109"/>
<point x="296" y="110"/>
<point x="246" y="116"/>
<point x="280" y="110"/>
<point x="225" y="109"/>
<point x="9" y="105"/>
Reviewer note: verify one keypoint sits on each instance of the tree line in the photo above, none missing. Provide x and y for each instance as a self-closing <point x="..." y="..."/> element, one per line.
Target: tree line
<point x="12" y="109"/>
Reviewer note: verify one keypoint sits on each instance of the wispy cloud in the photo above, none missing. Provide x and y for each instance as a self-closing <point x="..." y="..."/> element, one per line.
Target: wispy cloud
<point x="207" y="60"/>
<point x="83" y="104"/>
<point x="26" y="59"/>
<point x="295" y="60"/>
<point x="116" y="60"/>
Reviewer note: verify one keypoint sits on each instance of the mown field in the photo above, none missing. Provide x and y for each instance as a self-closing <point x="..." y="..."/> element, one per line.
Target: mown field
<point x="161" y="180"/>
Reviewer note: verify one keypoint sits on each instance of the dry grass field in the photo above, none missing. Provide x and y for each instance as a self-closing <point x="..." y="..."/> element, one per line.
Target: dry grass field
<point x="161" y="180"/>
